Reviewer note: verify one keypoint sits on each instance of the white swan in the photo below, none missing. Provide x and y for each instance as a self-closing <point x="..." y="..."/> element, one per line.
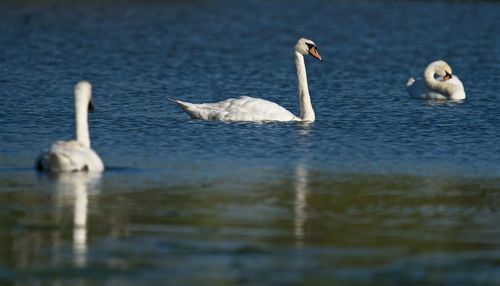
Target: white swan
<point x="74" y="155"/>
<point x="446" y="86"/>
<point x="255" y="109"/>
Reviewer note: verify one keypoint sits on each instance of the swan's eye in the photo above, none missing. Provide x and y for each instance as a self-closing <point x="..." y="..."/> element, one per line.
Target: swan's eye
<point x="309" y="46"/>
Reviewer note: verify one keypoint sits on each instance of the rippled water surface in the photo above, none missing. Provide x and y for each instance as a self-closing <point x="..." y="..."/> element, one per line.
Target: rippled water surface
<point x="380" y="190"/>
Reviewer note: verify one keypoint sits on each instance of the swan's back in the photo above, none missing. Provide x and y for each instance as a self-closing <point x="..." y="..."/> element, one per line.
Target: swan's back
<point x="69" y="156"/>
<point x="419" y="89"/>
<point x="456" y="81"/>
<point x="244" y="108"/>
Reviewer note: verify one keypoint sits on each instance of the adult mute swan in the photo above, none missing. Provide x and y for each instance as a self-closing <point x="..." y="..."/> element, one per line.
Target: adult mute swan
<point x="446" y="86"/>
<point x="75" y="155"/>
<point x="255" y="109"/>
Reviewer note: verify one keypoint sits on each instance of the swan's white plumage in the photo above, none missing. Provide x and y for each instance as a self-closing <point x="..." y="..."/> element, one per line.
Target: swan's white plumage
<point x="433" y="86"/>
<point x="75" y="155"/>
<point x="419" y="89"/>
<point x="244" y="108"/>
<point x="69" y="156"/>
<point x="255" y="109"/>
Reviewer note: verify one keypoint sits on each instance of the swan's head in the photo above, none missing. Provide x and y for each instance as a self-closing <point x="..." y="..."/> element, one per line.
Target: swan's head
<point x="83" y="94"/>
<point x="441" y="69"/>
<point x="306" y="46"/>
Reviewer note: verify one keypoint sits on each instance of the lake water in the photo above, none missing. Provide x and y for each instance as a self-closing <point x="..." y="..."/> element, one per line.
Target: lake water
<point x="380" y="190"/>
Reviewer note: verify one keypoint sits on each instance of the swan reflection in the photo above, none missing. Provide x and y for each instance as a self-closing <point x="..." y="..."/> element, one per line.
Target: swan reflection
<point x="301" y="191"/>
<point x="304" y="128"/>
<point x="73" y="189"/>
<point x="450" y="103"/>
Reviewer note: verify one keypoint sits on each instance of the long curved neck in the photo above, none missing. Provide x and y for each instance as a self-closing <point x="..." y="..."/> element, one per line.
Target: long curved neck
<point x="306" y="110"/>
<point x="81" y="120"/>
<point x="436" y="85"/>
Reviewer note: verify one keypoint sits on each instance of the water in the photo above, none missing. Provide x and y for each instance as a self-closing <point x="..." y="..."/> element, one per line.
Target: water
<point x="380" y="190"/>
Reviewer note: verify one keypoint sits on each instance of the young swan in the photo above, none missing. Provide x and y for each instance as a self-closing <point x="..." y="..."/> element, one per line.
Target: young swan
<point x="75" y="155"/>
<point x="255" y="109"/>
<point x="446" y="86"/>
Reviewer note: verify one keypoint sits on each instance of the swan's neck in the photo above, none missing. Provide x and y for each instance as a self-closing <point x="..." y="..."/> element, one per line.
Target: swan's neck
<point x="441" y="87"/>
<point x="306" y="110"/>
<point x="81" y="119"/>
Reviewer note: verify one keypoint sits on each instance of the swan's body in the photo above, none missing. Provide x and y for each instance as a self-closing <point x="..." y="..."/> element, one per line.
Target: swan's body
<point x="244" y="108"/>
<point x="69" y="156"/>
<point x="445" y="87"/>
<point x="75" y="155"/>
<point x="255" y="109"/>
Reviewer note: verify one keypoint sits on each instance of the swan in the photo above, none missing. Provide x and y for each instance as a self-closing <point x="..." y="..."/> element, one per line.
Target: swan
<point x="75" y="155"/>
<point x="247" y="108"/>
<point x="446" y="86"/>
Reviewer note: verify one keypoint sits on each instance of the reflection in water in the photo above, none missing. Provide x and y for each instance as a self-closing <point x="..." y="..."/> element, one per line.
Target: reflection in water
<point x="73" y="189"/>
<point x="301" y="182"/>
<point x="304" y="128"/>
<point x="300" y="215"/>
<point x="449" y="103"/>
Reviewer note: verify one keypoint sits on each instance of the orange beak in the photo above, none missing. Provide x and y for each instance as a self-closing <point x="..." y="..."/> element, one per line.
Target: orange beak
<point x="447" y="76"/>
<point x="314" y="52"/>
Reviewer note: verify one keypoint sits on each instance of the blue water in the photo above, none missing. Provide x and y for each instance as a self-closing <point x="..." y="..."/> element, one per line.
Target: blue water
<point x="413" y="165"/>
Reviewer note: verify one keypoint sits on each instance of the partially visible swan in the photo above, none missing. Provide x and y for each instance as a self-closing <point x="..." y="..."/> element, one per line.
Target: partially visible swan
<point x="75" y="155"/>
<point x="446" y="86"/>
<point x="255" y="109"/>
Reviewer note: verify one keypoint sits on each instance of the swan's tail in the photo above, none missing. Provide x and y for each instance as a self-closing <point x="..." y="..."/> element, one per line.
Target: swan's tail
<point x="409" y="83"/>
<point x="181" y="104"/>
<point x="172" y="99"/>
<point x="189" y="108"/>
